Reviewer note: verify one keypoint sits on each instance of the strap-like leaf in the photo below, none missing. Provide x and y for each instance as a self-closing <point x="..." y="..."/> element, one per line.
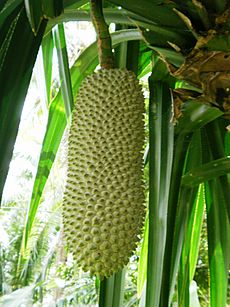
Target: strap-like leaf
<point x="159" y="14"/>
<point x="161" y="140"/>
<point x="142" y="264"/>
<point x="52" y="8"/>
<point x="64" y="72"/>
<point x="34" y="13"/>
<point x="18" y="58"/>
<point x="47" y="56"/>
<point x="208" y="171"/>
<point x="37" y="10"/>
<point x="185" y="207"/>
<point x="218" y="243"/>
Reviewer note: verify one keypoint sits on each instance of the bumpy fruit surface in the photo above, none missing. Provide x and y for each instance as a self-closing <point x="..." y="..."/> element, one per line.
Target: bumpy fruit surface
<point x="103" y="206"/>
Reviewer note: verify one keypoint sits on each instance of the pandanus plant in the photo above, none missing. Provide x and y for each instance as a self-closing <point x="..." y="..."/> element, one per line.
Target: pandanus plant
<point x="185" y="47"/>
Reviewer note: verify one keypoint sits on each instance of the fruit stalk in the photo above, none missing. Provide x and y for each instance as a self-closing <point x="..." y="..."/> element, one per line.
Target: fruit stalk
<point x="105" y="54"/>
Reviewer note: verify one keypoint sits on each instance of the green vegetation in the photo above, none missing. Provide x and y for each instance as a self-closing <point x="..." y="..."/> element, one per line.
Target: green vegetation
<point x="180" y="53"/>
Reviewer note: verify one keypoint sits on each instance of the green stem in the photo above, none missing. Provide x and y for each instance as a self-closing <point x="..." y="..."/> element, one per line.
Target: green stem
<point x="105" y="54"/>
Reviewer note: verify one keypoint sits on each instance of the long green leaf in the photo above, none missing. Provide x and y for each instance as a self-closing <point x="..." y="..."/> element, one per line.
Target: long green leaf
<point x="2" y="4"/>
<point x="64" y="72"/>
<point x="196" y="11"/>
<point x="195" y="116"/>
<point x="211" y="170"/>
<point x="120" y="17"/>
<point x="162" y="15"/>
<point x="37" y="10"/>
<point x="183" y="281"/>
<point x="218" y="244"/>
<point x="195" y="225"/>
<point x="18" y="57"/>
<point x="160" y="164"/>
<point x="156" y="34"/>
<point x="145" y="63"/>
<point x="142" y="264"/>
<point x="159" y="36"/>
<point x="7" y="13"/>
<point x="216" y="132"/>
<point x="217" y="203"/>
<point x="184" y="210"/>
<point x="190" y="249"/>
<point x="172" y="56"/>
<point x="219" y="42"/>
<point x="74" y="3"/>
<point x="52" y="8"/>
<point x="180" y="150"/>
<point x="47" y="55"/>
<point x="188" y="204"/>
<point x="227" y="143"/>
<point x="34" y="13"/>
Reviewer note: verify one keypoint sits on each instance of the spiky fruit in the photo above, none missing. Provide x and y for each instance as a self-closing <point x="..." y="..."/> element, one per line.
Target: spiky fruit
<point x="103" y="205"/>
